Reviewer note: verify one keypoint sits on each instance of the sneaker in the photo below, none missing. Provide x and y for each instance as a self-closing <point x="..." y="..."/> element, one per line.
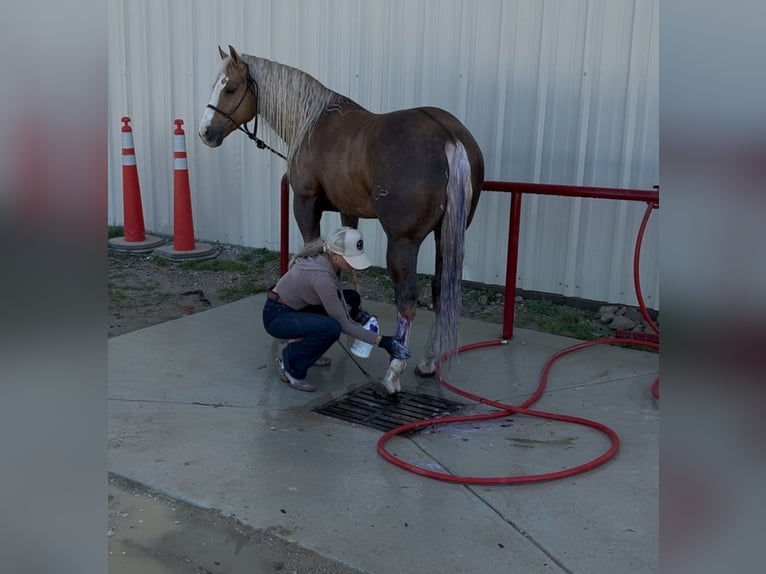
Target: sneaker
<point x="300" y="384"/>
<point x="323" y="362"/>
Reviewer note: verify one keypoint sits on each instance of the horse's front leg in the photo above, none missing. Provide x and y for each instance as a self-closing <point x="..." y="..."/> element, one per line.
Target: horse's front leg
<point x="401" y="260"/>
<point x="397" y="366"/>
<point x="351" y="221"/>
<point x="307" y="211"/>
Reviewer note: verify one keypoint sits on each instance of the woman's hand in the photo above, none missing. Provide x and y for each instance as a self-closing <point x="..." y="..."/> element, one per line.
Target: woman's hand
<point x="396" y="349"/>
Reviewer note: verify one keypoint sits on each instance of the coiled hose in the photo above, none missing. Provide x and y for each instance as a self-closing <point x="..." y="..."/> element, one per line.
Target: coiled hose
<point x="504" y="410"/>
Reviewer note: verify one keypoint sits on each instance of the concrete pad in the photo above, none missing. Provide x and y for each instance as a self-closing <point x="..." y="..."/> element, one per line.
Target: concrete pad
<point x="200" y="252"/>
<point x="149" y="243"/>
<point x="197" y="412"/>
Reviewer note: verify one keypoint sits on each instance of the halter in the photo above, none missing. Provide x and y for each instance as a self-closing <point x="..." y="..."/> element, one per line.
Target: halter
<point x="252" y="87"/>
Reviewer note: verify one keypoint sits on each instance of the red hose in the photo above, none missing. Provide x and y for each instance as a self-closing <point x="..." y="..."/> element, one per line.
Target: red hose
<point x="505" y="409"/>
<point x="637" y="283"/>
<point x="636" y="259"/>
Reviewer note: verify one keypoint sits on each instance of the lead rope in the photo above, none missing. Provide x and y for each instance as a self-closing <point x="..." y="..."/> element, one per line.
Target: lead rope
<point x="253" y="87"/>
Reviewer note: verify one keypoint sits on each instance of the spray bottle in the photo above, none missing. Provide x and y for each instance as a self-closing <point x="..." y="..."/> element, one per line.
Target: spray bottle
<point x="360" y="348"/>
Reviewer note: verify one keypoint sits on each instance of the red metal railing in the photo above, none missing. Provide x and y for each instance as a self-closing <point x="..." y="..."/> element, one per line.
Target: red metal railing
<point x="516" y="189"/>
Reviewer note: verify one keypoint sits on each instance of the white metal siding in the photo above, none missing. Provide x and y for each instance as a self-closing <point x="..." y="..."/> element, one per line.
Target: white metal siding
<point x="554" y="92"/>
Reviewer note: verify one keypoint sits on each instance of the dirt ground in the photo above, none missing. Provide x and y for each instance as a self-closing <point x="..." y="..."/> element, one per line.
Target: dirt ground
<point x="145" y="290"/>
<point x="152" y="534"/>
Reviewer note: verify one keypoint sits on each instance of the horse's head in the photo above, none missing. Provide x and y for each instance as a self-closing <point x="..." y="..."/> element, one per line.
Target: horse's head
<point x="232" y="102"/>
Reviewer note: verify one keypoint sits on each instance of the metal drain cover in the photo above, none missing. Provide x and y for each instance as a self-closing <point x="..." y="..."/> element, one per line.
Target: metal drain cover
<point x="367" y="407"/>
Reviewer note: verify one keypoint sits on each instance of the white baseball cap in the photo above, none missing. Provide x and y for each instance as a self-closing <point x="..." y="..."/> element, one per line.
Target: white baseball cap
<point x="348" y="242"/>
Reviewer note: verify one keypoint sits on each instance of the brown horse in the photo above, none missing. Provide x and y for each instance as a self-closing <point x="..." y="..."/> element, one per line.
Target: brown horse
<point x="416" y="171"/>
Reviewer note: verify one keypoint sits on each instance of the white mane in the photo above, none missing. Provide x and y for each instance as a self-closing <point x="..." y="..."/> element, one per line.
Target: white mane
<point x="289" y="101"/>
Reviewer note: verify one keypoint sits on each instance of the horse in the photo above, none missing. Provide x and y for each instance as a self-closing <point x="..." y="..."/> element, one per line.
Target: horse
<point x="416" y="170"/>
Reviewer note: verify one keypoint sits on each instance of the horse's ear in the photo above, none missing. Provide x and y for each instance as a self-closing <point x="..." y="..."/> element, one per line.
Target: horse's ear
<point x="234" y="55"/>
<point x="224" y="55"/>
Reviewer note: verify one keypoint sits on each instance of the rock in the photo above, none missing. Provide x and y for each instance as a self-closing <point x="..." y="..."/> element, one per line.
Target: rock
<point x="620" y="322"/>
<point x="519" y="299"/>
<point x="483" y="300"/>
<point x="611" y="309"/>
<point x="621" y="311"/>
<point x="634" y="315"/>
<point x="606" y="318"/>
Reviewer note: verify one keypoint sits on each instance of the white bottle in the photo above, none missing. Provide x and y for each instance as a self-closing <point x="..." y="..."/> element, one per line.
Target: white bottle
<point x="360" y="348"/>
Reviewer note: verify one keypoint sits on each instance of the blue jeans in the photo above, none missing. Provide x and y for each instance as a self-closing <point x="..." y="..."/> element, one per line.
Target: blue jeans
<point x="317" y="332"/>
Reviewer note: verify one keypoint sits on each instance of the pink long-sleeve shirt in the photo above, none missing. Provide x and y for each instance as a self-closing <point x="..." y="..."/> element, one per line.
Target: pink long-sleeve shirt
<point x="313" y="281"/>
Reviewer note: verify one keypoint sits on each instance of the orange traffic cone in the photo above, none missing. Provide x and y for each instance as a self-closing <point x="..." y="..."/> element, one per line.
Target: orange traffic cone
<point x="184" y="247"/>
<point x="135" y="238"/>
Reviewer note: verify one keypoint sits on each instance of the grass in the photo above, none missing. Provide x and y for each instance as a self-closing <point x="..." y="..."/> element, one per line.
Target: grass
<point x="123" y="293"/>
<point x="215" y="265"/>
<point x="544" y="315"/>
<point x="491" y="295"/>
<point x="246" y="289"/>
<point x="263" y="258"/>
<point x="543" y="307"/>
<point x="115" y="293"/>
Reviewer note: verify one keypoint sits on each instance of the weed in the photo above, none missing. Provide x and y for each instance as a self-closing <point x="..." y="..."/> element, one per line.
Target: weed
<point x="246" y="289"/>
<point x="144" y="286"/>
<point x="115" y="293"/>
<point x="543" y="307"/>
<point x="214" y="265"/>
<point x="115" y="231"/>
<point x="544" y="315"/>
<point x="491" y="294"/>
<point x="265" y="258"/>
<point x="376" y="273"/>
<point x="266" y="255"/>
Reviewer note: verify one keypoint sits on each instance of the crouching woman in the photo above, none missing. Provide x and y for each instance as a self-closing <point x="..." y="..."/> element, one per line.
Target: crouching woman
<point x="309" y="307"/>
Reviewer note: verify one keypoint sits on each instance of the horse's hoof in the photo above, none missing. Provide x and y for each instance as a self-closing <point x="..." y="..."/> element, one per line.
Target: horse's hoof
<point x="388" y="394"/>
<point x="382" y="394"/>
<point x="424" y="374"/>
<point x="390" y="387"/>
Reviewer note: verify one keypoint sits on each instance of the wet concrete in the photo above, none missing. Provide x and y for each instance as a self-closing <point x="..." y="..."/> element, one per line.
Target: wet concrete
<point x="196" y="412"/>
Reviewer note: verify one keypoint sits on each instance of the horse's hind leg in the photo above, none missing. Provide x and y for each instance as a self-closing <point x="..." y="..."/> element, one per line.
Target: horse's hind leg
<point x="401" y="259"/>
<point x="426" y="367"/>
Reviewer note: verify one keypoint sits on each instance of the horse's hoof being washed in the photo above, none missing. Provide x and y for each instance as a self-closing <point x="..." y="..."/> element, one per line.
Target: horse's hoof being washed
<point x="390" y="381"/>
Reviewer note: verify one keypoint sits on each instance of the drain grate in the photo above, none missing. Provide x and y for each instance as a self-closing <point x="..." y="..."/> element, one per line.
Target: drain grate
<point x="366" y="407"/>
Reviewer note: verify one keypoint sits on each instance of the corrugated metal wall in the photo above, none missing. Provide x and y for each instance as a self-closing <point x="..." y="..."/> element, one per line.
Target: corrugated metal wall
<point x="554" y="92"/>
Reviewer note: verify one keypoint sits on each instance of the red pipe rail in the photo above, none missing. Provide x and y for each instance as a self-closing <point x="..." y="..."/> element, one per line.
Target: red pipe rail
<point x="516" y="189"/>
